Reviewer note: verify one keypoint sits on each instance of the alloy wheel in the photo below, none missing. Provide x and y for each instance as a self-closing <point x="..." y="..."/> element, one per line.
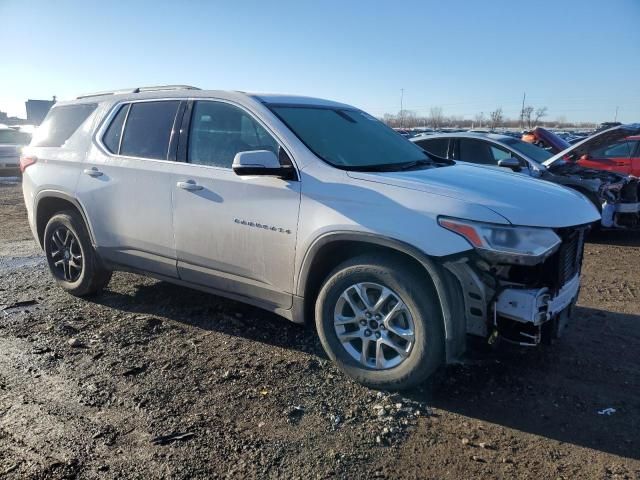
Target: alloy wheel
<point x="374" y="325"/>
<point x="66" y="254"/>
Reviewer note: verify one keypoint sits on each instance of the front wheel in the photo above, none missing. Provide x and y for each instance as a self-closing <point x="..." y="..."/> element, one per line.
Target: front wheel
<point x="381" y="322"/>
<point x="72" y="260"/>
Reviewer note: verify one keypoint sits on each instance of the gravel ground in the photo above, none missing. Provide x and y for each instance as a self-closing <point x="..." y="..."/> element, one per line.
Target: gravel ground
<point x="151" y="380"/>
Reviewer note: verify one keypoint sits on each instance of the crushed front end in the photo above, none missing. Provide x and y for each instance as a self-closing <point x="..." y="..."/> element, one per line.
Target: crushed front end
<point x="525" y="303"/>
<point x="617" y="195"/>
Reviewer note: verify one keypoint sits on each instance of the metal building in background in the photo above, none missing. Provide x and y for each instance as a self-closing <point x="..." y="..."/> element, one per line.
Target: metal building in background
<point x="37" y="110"/>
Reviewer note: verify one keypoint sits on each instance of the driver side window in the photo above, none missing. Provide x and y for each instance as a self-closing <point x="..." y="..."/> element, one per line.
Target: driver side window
<point x="218" y="131"/>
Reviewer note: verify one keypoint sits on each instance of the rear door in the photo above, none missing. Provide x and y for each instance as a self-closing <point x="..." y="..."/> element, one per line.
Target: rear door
<point x="615" y="157"/>
<point x="234" y="234"/>
<point x="126" y="185"/>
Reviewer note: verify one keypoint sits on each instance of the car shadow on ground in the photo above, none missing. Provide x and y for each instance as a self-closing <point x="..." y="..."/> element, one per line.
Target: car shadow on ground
<point x="551" y="391"/>
<point x="213" y="313"/>
<point x="555" y="391"/>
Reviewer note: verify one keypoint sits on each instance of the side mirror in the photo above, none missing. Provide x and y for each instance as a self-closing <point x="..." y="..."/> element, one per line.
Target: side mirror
<point x="512" y="163"/>
<point x="261" y="162"/>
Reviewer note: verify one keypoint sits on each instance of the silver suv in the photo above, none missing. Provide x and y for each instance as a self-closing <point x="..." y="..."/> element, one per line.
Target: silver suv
<point x="308" y="208"/>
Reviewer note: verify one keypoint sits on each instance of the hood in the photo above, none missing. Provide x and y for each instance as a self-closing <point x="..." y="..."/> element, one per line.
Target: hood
<point x="551" y="141"/>
<point x="520" y="199"/>
<point x="599" y="139"/>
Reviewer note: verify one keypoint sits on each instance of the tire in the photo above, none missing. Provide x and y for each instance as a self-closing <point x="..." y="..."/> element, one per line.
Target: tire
<point x="366" y="274"/>
<point x="75" y="249"/>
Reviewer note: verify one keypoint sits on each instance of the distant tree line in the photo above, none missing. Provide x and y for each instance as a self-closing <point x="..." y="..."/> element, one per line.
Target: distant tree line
<point x="530" y="117"/>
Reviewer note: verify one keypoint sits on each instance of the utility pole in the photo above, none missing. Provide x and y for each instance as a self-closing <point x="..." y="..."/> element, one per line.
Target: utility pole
<point x="524" y="96"/>
<point x="615" y="119"/>
<point x="401" y="108"/>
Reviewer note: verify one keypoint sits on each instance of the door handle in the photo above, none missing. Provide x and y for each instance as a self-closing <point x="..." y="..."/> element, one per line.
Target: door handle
<point x="189" y="185"/>
<point x="93" y="172"/>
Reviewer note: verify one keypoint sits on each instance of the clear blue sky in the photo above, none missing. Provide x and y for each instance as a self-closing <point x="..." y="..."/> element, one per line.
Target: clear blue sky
<point x="580" y="58"/>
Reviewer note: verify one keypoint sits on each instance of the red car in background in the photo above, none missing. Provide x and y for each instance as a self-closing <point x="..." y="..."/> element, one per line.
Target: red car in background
<point x="621" y="156"/>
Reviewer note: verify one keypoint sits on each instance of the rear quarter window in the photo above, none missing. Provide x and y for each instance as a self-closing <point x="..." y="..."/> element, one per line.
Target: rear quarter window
<point x="60" y="124"/>
<point x="112" y="136"/>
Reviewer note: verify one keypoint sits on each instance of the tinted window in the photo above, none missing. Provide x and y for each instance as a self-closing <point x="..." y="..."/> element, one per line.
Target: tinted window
<point x="499" y="153"/>
<point x="620" y="149"/>
<point x="60" y="123"/>
<point x="148" y="129"/>
<point x="529" y="150"/>
<point x="220" y="130"/>
<point x="14" y="137"/>
<point x="475" y="151"/>
<point x="437" y="146"/>
<point x="349" y="139"/>
<point x="112" y="136"/>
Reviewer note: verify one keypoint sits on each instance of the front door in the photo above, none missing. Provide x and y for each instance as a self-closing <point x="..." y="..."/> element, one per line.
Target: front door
<point x="234" y="234"/>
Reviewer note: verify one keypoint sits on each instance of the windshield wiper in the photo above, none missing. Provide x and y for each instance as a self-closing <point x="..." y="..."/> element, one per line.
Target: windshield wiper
<point x="390" y="167"/>
<point x="415" y="164"/>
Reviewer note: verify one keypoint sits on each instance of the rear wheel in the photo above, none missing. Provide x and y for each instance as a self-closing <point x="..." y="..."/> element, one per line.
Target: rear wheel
<point x="72" y="260"/>
<point x="380" y="321"/>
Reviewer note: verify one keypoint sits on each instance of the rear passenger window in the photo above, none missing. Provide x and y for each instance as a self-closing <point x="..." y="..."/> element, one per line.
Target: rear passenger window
<point x="112" y="136"/>
<point x="435" y="146"/>
<point x="60" y="123"/>
<point x="148" y="129"/>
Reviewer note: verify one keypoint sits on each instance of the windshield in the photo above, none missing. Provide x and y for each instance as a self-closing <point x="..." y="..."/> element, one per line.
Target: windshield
<point x="350" y="139"/>
<point x="529" y="150"/>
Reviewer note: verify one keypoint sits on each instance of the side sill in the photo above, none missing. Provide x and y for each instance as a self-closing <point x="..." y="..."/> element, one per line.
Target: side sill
<point x="289" y="314"/>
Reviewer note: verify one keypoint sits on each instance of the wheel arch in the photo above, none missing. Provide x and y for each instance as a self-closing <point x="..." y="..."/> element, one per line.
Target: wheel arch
<point x="48" y="202"/>
<point x="331" y="249"/>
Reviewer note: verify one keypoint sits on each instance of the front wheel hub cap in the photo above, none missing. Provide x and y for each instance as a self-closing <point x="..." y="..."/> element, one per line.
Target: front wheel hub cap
<point x="394" y="330"/>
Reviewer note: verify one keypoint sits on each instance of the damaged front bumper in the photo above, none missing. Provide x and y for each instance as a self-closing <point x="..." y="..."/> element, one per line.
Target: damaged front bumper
<point x="526" y="305"/>
<point x="621" y="215"/>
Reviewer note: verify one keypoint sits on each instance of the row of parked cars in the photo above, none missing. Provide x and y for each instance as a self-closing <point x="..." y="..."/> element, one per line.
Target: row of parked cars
<point x="319" y="212"/>
<point x="604" y="167"/>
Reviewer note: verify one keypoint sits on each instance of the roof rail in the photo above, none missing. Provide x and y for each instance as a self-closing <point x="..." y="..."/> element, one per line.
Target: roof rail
<point x="165" y="87"/>
<point x="138" y="90"/>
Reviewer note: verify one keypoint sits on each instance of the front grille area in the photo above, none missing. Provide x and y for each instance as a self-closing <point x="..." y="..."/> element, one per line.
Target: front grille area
<point x="559" y="268"/>
<point x="570" y="256"/>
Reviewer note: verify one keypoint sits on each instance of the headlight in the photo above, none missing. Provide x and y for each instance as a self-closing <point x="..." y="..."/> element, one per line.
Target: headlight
<point x="505" y="243"/>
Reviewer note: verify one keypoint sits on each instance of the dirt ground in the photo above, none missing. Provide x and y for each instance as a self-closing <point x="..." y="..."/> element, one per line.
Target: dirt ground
<point x="150" y="380"/>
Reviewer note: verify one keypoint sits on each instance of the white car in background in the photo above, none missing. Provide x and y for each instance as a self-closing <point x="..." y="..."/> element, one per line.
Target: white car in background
<point x="11" y="142"/>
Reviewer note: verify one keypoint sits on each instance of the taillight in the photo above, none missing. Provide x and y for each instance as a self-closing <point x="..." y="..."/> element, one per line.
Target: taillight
<point x="26" y="161"/>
